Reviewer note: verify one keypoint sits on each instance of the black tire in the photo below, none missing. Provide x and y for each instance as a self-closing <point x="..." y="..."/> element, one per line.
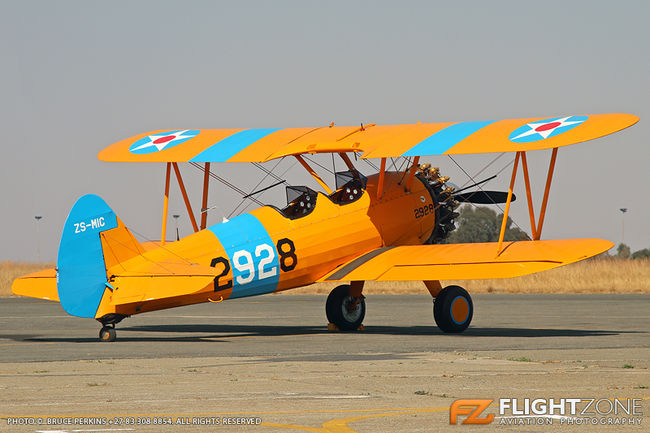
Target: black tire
<point x="443" y="309"/>
<point x="107" y="334"/>
<point x="337" y="309"/>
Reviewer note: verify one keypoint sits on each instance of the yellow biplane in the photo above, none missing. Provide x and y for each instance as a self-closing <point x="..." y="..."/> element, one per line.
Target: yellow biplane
<point x="389" y="226"/>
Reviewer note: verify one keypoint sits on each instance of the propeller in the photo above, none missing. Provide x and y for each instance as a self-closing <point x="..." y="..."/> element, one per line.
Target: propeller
<point x="479" y="197"/>
<point x="483" y="197"/>
<point x="449" y="197"/>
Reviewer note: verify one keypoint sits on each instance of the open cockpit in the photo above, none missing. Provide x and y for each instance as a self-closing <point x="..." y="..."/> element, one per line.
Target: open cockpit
<point x="301" y="200"/>
<point x="350" y="186"/>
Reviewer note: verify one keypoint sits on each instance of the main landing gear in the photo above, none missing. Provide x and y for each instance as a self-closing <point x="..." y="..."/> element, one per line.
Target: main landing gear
<point x="452" y="309"/>
<point x="107" y="333"/>
<point x="346" y="307"/>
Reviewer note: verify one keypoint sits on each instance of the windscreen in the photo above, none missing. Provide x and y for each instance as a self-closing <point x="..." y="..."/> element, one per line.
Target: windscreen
<point x="343" y="177"/>
<point x="293" y="192"/>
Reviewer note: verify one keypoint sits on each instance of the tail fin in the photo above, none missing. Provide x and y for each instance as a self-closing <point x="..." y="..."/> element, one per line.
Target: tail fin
<point x="84" y="256"/>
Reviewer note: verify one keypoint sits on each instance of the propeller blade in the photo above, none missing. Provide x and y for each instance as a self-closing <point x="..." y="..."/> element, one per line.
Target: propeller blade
<point x="483" y="197"/>
<point x="475" y="184"/>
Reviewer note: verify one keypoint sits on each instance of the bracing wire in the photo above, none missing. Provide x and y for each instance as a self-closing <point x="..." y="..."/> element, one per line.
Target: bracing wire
<point x="408" y="160"/>
<point x="185" y="259"/>
<point x="135" y="250"/>
<point x="320" y="165"/>
<point x="268" y="173"/>
<point x="228" y="184"/>
<point x="369" y="163"/>
<point x="486" y="167"/>
<point x="404" y="160"/>
<point x="481" y="188"/>
<point x="392" y="161"/>
<point x="273" y="175"/>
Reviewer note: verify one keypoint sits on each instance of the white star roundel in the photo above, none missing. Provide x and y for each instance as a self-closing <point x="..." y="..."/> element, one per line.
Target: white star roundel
<point x="162" y="141"/>
<point x="543" y="129"/>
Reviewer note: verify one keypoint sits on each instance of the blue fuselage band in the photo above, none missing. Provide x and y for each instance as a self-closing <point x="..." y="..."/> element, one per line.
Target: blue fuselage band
<point x="252" y="254"/>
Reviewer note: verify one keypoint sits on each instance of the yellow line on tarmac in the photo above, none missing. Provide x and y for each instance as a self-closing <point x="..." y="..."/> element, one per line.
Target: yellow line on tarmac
<point x="293" y="427"/>
<point x="340" y="425"/>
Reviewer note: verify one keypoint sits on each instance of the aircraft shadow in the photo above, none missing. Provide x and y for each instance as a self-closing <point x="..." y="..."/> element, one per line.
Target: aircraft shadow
<point x="233" y="331"/>
<point x="123" y="338"/>
<point x="208" y="333"/>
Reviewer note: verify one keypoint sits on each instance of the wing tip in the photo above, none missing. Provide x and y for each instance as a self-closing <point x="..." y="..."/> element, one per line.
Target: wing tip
<point x="633" y="118"/>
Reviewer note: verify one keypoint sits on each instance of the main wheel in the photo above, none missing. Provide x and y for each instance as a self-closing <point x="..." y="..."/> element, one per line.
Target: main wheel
<point x="453" y="309"/>
<point x="345" y="311"/>
<point x="107" y="333"/>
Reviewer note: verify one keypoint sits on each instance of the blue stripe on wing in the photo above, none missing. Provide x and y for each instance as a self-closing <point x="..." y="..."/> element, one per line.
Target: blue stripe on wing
<point x="446" y="138"/>
<point x="225" y="149"/>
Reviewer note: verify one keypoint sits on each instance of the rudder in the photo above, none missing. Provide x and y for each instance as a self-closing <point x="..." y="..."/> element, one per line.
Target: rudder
<point x="81" y="266"/>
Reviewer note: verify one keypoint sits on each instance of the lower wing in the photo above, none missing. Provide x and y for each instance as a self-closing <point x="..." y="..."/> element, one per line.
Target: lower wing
<point x="466" y="261"/>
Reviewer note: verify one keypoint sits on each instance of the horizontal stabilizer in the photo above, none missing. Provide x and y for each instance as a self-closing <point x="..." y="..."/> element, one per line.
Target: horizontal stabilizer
<point x="41" y="285"/>
<point x="142" y="280"/>
<point x="153" y="281"/>
<point x="466" y="261"/>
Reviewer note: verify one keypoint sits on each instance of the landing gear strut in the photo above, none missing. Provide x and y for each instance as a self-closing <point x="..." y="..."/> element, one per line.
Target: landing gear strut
<point x="345" y="309"/>
<point x="453" y="309"/>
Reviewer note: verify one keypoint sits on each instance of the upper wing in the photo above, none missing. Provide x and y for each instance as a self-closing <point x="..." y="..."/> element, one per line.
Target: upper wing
<point x="466" y="261"/>
<point x="374" y="141"/>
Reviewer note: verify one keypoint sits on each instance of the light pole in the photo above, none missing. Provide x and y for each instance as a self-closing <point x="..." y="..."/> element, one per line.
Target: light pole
<point x="623" y="210"/>
<point x="176" y="216"/>
<point x="38" y="218"/>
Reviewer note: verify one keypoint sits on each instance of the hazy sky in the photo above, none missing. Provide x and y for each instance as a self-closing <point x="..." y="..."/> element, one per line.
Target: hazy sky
<point x="80" y="75"/>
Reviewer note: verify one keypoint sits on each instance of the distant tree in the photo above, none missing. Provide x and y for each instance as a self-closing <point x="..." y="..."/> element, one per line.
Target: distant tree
<point x="641" y="254"/>
<point x="623" y="251"/>
<point x="482" y="224"/>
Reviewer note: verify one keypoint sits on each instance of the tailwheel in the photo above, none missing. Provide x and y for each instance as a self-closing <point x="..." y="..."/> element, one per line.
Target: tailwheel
<point x="344" y="310"/>
<point x="107" y="333"/>
<point x="108" y="321"/>
<point x="453" y="309"/>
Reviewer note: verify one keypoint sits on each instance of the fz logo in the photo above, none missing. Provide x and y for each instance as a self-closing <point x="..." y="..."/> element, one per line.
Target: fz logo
<point x="471" y="408"/>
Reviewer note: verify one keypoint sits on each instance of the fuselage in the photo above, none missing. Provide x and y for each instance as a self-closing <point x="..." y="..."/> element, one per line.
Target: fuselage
<point x="266" y="251"/>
